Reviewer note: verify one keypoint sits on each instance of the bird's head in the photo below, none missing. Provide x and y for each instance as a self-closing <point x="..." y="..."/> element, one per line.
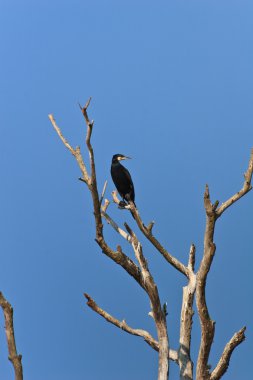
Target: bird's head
<point x="119" y="157"/>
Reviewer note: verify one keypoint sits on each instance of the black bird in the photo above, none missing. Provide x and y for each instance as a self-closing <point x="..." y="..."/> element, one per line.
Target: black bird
<point x="122" y="178"/>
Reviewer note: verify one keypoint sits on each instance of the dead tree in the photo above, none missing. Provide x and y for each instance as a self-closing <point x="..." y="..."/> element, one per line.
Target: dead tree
<point x="141" y="273"/>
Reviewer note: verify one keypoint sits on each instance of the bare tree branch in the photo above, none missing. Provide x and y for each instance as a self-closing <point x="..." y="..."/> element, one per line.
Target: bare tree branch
<point x="103" y="193"/>
<point x="63" y="139"/>
<point x="245" y="189"/>
<point x="184" y="357"/>
<point x="123" y="325"/>
<point x="113" y="224"/>
<point x="9" y="330"/>
<point x="88" y="143"/>
<point x="105" y="206"/>
<point x="150" y="226"/>
<point x="157" y="312"/>
<point x="147" y="231"/>
<point x="117" y="256"/>
<point x="223" y="363"/>
<point x="207" y="325"/>
<point x="76" y="152"/>
<point x="191" y="261"/>
<point x="116" y="227"/>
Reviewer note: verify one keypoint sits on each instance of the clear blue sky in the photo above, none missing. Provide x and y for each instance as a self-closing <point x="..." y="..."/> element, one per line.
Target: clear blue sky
<point x="172" y="87"/>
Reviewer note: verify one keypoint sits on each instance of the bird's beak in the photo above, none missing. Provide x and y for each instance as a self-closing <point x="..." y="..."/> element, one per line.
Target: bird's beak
<point x="126" y="158"/>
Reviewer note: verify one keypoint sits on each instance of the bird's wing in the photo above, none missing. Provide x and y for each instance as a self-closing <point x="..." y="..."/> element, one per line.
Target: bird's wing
<point x="129" y="178"/>
<point x="131" y="185"/>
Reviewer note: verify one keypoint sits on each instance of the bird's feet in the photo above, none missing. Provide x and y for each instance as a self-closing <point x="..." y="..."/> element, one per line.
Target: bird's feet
<point x="122" y="204"/>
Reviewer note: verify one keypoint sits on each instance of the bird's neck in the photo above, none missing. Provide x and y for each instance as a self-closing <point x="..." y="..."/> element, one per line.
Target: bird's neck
<point x="116" y="163"/>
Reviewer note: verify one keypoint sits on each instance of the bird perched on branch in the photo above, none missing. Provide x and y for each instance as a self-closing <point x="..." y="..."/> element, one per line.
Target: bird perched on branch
<point x="122" y="178"/>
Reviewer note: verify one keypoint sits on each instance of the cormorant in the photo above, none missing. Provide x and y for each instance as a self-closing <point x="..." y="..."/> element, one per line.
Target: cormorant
<point x="122" y="178"/>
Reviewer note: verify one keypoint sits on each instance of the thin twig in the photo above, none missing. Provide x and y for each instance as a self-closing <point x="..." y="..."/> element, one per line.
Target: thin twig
<point x="150" y="226"/>
<point x="245" y="189"/>
<point x="103" y="193"/>
<point x="63" y="139"/>
<point x="76" y="152"/>
<point x="105" y="206"/>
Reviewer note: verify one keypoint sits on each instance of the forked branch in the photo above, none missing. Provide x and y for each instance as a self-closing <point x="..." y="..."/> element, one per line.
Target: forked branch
<point x="207" y="324"/>
<point x="147" y="231"/>
<point x="117" y="256"/>
<point x="157" y="312"/>
<point x="113" y="224"/>
<point x="125" y="327"/>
